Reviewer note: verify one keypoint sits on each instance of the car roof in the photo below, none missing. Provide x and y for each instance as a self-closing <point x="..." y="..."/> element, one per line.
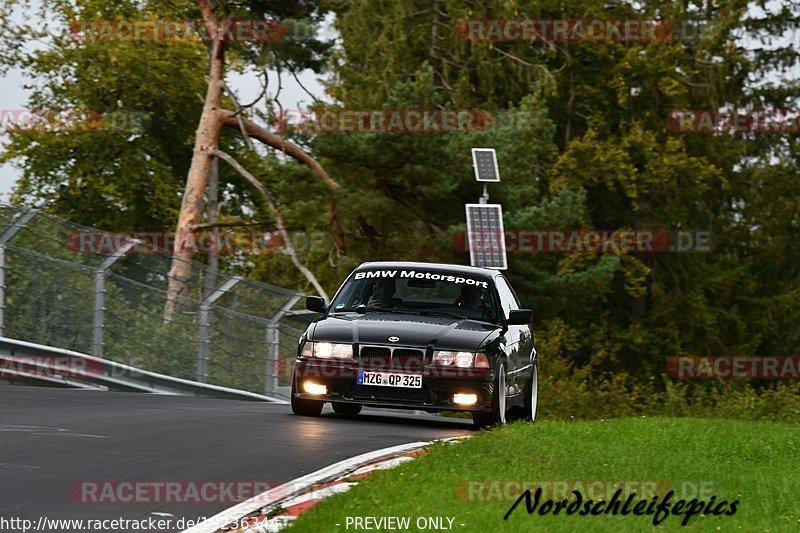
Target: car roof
<point x="462" y="269"/>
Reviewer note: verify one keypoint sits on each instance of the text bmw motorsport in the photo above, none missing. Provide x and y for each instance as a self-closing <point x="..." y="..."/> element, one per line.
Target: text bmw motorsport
<point x="418" y="275"/>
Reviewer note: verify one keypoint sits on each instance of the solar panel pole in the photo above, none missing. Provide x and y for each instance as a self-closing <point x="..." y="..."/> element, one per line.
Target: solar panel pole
<point x="485" y="233"/>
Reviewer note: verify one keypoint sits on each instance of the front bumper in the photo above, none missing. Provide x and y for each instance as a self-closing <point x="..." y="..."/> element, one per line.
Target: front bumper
<point x="438" y="386"/>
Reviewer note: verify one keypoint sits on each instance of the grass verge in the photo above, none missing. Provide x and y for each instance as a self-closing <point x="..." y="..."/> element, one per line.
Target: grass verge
<point x="475" y="482"/>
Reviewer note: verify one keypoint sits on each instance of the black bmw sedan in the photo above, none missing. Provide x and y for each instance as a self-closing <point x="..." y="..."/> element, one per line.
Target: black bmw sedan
<point x="423" y="336"/>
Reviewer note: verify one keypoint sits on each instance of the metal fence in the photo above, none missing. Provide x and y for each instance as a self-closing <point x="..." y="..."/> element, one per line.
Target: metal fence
<point x="228" y="331"/>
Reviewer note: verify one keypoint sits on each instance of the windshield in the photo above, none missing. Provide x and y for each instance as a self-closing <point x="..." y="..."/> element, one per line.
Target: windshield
<point x="418" y="292"/>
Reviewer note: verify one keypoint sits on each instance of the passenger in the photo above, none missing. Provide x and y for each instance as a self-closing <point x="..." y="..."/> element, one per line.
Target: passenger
<point x="470" y="298"/>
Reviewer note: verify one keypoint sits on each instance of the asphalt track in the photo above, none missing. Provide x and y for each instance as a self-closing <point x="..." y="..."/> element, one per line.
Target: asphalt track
<point x="52" y="439"/>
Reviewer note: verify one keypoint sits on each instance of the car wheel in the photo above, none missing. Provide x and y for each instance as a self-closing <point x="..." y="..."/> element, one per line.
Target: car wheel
<point x="304" y="407"/>
<point x="346" y="408"/>
<point x="532" y="395"/>
<point x="497" y="416"/>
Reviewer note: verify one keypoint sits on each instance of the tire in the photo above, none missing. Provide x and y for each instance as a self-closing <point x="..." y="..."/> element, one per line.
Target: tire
<point x="497" y="416"/>
<point x="304" y="407"/>
<point x="346" y="408"/>
<point x="532" y="395"/>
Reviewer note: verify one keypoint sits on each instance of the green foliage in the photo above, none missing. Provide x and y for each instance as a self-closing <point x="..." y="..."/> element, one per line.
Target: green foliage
<point x="592" y="151"/>
<point x="600" y="156"/>
<point x="567" y="392"/>
<point x="113" y="177"/>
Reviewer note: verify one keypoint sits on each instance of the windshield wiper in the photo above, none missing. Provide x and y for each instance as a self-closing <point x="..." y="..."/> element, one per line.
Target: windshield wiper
<point x="445" y="313"/>
<point x="361" y="309"/>
<point x="364" y="309"/>
<point x="441" y="313"/>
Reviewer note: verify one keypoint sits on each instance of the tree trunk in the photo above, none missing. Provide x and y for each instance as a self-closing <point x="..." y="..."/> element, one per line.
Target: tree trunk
<point x="192" y="207"/>
<point x="212" y="119"/>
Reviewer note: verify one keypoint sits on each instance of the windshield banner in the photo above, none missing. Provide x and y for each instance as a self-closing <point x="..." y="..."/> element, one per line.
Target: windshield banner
<point x="436" y="276"/>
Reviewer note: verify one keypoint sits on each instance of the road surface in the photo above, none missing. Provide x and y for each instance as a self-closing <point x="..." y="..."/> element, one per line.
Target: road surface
<point x="61" y="446"/>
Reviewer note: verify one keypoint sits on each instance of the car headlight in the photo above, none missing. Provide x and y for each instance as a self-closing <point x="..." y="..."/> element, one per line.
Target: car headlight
<point x="460" y="359"/>
<point x="327" y="350"/>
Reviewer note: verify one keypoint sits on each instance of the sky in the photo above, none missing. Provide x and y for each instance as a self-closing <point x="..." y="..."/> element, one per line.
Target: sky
<point x="14" y="97"/>
<point x="247" y="86"/>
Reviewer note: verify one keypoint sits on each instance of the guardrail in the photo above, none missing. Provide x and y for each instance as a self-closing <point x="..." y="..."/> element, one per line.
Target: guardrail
<point x="26" y="361"/>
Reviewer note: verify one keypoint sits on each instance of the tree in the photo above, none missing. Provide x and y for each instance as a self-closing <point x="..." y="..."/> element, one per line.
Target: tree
<point x="123" y="174"/>
<point x="214" y="117"/>
<point x="123" y="179"/>
<point x="603" y="158"/>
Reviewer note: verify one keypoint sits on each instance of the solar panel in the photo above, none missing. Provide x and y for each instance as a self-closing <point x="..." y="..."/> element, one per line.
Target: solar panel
<point x="486" y="236"/>
<point x="484" y="162"/>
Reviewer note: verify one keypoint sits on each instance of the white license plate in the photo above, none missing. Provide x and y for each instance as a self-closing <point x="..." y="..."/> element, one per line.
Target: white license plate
<point x="390" y="379"/>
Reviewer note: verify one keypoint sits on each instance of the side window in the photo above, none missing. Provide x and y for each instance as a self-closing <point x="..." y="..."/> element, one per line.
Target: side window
<point x="508" y="300"/>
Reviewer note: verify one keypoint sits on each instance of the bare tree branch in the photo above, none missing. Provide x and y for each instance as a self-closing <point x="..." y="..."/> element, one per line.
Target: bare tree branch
<point x="207" y="225"/>
<point x="281" y="226"/>
<point x="247" y="140"/>
<point x="261" y="94"/>
<point x="275" y="141"/>
<point x="294" y="75"/>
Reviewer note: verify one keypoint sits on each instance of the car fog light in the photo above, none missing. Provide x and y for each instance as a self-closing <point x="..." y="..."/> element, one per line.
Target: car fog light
<point x="315" y="388"/>
<point x="465" y="399"/>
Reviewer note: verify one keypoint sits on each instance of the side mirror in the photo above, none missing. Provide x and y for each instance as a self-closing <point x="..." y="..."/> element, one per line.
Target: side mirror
<point x="315" y="303"/>
<point x="520" y="317"/>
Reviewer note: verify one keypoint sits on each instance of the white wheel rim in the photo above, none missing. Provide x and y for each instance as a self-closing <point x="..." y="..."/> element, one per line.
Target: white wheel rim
<point x="534" y="391"/>
<point x="501" y="400"/>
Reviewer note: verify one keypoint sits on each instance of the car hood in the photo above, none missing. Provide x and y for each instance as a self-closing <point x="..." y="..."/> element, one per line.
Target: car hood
<point x="376" y="328"/>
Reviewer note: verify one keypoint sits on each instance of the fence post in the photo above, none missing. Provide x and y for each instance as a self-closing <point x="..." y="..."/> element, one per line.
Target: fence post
<point x="100" y="274"/>
<point x="16" y="224"/>
<point x="203" y="340"/>
<point x="271" y="368"/>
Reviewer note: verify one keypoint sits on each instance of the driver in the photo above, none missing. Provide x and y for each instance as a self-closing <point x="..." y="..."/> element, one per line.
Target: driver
<point x="382" y="294"/>
<point x="470" y="298"/>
